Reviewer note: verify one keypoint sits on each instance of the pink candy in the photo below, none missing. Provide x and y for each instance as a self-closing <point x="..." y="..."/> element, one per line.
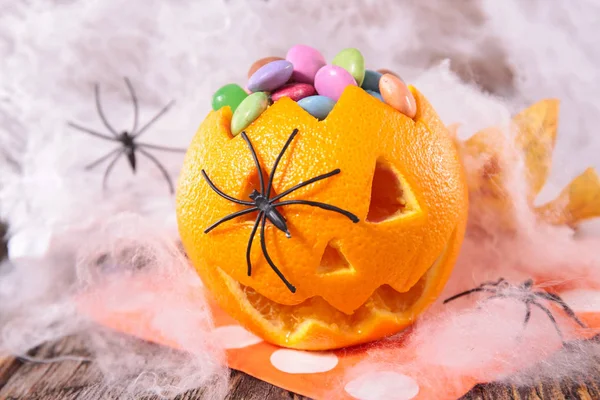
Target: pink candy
<point x="331" y="81"/>
<point x="295" y="91"/>
<point x="307" y="61"/>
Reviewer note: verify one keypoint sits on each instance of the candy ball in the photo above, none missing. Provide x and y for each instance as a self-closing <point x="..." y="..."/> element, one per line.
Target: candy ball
<point x="229" y="95"/>
<point x="331" y="80"/>
<point x="307" y="61"/>
<point x="352" y="61"/>
<point x="259" y="63"/>
<point x="270" y="76"/>
<point x="248" y="111"/>
<point x="396" y="94"/>
<point x="371" y="81"/>
<point x="294" y="91"/>
<point x="317" y="106"/>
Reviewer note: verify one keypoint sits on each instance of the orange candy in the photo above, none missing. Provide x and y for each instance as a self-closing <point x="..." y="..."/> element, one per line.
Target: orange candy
<point x="355" y="282"/>
<point x="395" y="93"/>
<point x="388" y="71"/>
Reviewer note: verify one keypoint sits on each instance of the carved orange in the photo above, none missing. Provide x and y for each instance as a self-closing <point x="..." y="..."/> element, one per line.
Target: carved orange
<point x="356" y="282"/>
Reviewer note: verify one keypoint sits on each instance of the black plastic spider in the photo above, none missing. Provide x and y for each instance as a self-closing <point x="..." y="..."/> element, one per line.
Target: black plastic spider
<point x="127" y="139"/>
<point x="525" y="293"/>
<point x="267" y="207"/>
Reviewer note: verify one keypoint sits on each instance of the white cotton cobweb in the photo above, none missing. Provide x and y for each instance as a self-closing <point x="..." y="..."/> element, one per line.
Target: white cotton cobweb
<point x="124" y="250"/>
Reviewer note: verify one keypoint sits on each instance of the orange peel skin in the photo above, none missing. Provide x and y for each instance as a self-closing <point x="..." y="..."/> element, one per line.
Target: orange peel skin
<point x="356" y="282"/>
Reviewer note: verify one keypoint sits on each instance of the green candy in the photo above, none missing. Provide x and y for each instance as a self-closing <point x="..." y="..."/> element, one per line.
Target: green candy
<point x="229" y="95"/>
<point x="248" y="110"/>
<point x="352" y="61"/>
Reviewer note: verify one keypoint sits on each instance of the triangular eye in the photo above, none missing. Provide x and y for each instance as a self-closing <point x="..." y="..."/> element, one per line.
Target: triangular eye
<point x="333" y="261"/>
<point x="388" y="196"/>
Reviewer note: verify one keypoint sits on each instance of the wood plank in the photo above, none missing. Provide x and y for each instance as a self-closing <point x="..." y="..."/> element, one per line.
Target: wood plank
<point x="8" y="366"/>
<point x="68" y="380"/>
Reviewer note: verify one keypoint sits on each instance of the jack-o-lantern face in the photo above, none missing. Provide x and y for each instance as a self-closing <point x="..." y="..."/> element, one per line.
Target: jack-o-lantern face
<point x="354" y="282"/>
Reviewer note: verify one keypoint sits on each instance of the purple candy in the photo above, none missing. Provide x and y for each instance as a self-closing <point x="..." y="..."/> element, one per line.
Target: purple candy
<point x="295" y="91"/>
<point x="307" y="61"/>
<point x="271" y="76"/>
<point x="331" y="81"/>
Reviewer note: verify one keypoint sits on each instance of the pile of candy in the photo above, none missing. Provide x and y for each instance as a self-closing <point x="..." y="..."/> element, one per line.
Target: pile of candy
<point x="305" y="77"/>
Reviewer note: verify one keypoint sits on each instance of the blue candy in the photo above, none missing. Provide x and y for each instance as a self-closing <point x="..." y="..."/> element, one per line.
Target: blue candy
<point x="317" y="106"/>
<point x="371" y="81"/>
<point x="377" y="95"/>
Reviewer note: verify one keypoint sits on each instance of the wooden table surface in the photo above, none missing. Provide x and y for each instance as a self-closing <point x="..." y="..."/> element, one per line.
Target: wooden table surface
<point x="82" y="380"/>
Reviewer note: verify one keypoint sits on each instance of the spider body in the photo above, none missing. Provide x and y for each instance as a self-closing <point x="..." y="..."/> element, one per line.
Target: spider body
<point x="267" y="206"/>
<point x="129" y="145"/>
<point x="274" y="216"/>
<point x="525" y="293"/>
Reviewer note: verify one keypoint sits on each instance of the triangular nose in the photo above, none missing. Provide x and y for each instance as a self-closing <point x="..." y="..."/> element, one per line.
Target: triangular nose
<point x="333" y="261"/>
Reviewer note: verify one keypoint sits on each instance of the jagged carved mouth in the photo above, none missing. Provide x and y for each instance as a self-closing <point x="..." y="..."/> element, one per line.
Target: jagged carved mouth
<point x="384" y="302"/>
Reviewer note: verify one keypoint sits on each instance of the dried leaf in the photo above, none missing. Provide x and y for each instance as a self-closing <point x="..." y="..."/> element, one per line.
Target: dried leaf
<point x="489" y="157"/>
<point x="579" y="201"/>
<point x="536" y="138"/>
<point x="483" y="154"/>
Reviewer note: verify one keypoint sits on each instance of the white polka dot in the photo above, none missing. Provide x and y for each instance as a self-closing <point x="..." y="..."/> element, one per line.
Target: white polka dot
<point x="235" y="337"/>
<point x="303" y="362"/>
<point x="583" y="300"/>
<point x="382" y="385"/>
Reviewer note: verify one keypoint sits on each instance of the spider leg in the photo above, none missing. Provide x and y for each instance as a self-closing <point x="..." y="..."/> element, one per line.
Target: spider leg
<point x="249" y="248"/>
<point x="135" y="103"/>
<point x="305" y="183"/>
<point x="266" y="253"/>
<point x="527" y="313"/>
<point x="526" y="320"/>
<point x="103" y="158"/>
<point x="163" y="148"/>
<point x="225" y="196"/>
<point x="495" y="296"/>
<point x="108" y="169"/>
<point x="157" y="116"/>
<point x="324" y="206"/>
<point x="161" y="168"/>
<point x="258" y="167"/>
<point x="493" y="283"/>
<point x="527" y="284"/>
<point x="230" y="217"/>
<point x="91" y="132"/>
<point x="557" y="299"/>
<point x="467" y="292"/>
<point x="283" y="150"/>
<point x="101" y="112"/>
<point x="549" y="314"/>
